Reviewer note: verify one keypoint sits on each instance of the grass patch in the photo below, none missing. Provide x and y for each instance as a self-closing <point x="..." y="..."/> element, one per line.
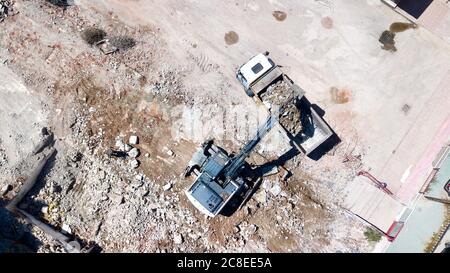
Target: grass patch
<point x="372" y="235"/>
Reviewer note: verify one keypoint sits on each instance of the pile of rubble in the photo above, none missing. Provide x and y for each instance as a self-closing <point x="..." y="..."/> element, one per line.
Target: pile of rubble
<point x="121" y="208"/>
<point x="6" y="9"/>
<point x="3" y="158"/>
<point x="277" y="95"/>
<point x="127" y="149"/>
<point x="290" y="119"/>
<point x="167" y="82"/>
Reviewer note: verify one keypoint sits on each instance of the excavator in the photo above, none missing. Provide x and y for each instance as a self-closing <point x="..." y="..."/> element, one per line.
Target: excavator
<point x="218" y="174"/>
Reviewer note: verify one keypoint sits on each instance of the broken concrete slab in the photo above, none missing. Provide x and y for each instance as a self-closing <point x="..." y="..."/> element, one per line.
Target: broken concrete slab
<point x="178" y="238"/>
<point x="261" y="196"/>
<point x="275" y="190"/>
<point x="170" y="152"/>
<point x="133" y="140"/>
<point x="134" y="152"/>
<point x="134" y="163"/>
<point x="127" y="147"/>
<point x="120" y="144"/>
<point x="267" y="184"/>
<point x="5" y="189"/>
<point x="44" y="210"/>
<point x="66" y="228"/>
<point x="167" y="187"/>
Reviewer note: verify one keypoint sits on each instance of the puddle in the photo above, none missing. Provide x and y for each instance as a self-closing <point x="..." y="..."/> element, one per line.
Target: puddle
<point x="400" y="27"/>
<point x="340" y="96"/>
<point x="279" y="15"/>
<point x="231" y="38"/>
<point x="327" y="22"/>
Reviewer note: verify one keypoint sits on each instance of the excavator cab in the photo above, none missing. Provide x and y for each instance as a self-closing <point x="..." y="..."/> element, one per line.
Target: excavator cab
<point x="210" y="192"/>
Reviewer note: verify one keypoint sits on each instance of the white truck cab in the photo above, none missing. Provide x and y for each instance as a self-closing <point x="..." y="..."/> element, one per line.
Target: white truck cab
<point x="257" y="73"/>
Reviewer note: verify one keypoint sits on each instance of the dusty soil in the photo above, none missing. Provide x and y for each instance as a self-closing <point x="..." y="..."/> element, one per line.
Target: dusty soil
<point x="92" y="101"/>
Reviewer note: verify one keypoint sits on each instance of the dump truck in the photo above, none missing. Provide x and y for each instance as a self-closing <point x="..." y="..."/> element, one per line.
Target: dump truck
<point x="264" y="81"/>
<point x="219" y="176"/>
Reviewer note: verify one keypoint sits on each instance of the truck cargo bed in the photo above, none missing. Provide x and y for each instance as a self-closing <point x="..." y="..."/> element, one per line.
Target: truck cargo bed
<point x="304" y="127"/>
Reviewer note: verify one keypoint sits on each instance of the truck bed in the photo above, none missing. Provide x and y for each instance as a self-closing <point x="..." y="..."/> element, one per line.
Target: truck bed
<point x="304" y="127"/>
<point x="315" y="132"/>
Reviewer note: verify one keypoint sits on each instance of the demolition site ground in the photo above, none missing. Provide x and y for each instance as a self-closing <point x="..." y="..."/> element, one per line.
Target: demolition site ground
<point x="168" y="81"/>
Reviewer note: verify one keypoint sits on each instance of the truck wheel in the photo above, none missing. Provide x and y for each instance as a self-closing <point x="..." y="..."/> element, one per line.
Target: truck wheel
<point x="249" y="93"/>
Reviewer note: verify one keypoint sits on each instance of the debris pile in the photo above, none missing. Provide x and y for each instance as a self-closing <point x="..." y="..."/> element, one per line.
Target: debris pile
<point x="290" y="119"/>
<point x="127" y="149"/>
<point x="167" y="82"/>
<point x="3" y="158"/>
<point x="278" y="94"/>
<point x="6" y="9"/>
<point x="122" y="42"/>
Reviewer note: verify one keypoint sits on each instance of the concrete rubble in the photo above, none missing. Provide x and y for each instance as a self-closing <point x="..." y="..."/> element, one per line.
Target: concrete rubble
<point x="134" y="163"/>
<point x="167" y="186"/>
<point x="261" y="196"/>
<point x="6" y="9"/>
<point x="275" y="96"/>
<point x="178" y="238"/>
<point x="134" y="152"/>
<point x="275" y="190"/>
<point x="133" y="140"/>
<point x="121" y="105"/>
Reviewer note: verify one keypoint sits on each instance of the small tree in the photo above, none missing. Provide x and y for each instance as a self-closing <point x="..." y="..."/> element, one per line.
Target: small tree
<point x="93" y="35"/>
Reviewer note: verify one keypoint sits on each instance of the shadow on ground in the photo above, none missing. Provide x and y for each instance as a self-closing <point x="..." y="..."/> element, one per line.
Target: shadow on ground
<point x="15" y="237"/>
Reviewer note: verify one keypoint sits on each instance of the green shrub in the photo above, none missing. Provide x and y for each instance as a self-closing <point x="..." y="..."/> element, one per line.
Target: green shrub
<point x="372" y="235"/>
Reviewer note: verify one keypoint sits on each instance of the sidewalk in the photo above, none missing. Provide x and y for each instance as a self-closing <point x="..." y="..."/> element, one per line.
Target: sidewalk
<point x="404" y="159"/>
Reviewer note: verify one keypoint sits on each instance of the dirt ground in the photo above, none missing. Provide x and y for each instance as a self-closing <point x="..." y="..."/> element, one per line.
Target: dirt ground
<point x="91" y="101"/>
